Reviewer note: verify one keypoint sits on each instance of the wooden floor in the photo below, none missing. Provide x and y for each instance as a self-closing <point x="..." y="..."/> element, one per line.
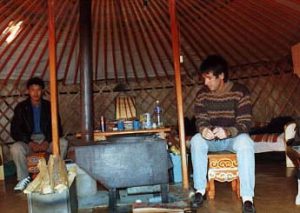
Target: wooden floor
<point x="276" y="188"/>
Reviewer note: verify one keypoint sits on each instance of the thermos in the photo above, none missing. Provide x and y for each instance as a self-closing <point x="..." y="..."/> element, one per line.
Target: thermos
<point x="102" y="124"/>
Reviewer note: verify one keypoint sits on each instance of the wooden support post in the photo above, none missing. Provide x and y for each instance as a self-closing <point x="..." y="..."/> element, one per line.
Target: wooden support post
<point x="211" y="189"/>
<point x="176" y="56"/>
<point x="53" y="83"/>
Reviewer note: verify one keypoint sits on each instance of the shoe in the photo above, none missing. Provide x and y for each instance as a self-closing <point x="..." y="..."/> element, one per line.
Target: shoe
<point x="198" y="200"/>
<point x="22" y="184"/>
<point x="248" y="207"/>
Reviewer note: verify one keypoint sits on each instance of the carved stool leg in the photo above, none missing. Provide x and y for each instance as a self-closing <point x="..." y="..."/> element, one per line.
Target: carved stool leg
<point x="234" y="185"/>
<point x="211" y="189"/>
<point x="238" y="187"/>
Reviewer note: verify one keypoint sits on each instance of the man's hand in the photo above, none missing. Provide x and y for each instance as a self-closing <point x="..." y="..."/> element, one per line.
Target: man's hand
<point x="42" y="147"/>
<point x="208" y="134"/>
<point x="219" y="133"/>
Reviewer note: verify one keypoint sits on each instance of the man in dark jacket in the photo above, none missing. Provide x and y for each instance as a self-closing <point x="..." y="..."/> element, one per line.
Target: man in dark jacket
<point x="31" y="129"/>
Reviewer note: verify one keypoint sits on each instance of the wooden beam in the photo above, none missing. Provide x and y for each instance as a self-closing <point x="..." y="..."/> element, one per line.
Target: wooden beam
<point x="97" y="16"/>
<point x="38" y="28"/>
<point x="155" y="39"/>
<point x="158" y="9"/>
<point x="138" y="47"/>
<point x="142" y="28"/>
<point x="59" y="26"/>
<point x="128" y="46"/>
<point x="70" y="55"/>
<point x="105" y="41"/>
<point x="70" y="28"/>
<point x="112" y="20"/>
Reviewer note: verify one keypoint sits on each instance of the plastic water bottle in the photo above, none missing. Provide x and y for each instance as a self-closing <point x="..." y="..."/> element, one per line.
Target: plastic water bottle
<point x="157" y="115"/>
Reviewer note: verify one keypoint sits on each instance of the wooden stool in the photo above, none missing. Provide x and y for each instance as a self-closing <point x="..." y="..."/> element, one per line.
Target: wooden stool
<point x="222" y="167"/>
<point x="32" y="162"/>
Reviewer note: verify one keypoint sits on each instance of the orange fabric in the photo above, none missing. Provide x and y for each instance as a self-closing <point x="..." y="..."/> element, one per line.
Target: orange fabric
<point x="32" y="162"/>
<point x="35" y="147"/>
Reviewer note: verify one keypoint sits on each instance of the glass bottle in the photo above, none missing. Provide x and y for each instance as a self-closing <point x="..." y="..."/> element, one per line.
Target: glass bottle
<point x="157" y="115"/>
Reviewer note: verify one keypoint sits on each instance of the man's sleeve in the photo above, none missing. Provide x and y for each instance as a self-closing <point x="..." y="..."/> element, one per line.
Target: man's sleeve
<point x="202" y="118"/>
<point x="243" y="115"/>
<point x="17" y="127"/>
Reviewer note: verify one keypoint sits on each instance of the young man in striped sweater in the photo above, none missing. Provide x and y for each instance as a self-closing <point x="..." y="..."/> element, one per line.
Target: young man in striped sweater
<point x="223" y="114"/>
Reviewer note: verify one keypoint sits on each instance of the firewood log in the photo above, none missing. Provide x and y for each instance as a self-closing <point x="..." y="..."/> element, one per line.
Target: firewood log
<point x="46" y="187"/>
<point x="35" y="185"/>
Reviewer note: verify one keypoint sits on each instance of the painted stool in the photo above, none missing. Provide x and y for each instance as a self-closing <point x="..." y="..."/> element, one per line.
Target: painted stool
<point x="222" y="167"/>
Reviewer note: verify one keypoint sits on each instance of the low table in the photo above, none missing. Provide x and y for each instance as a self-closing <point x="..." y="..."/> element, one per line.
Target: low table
<point x="294" y="154"/>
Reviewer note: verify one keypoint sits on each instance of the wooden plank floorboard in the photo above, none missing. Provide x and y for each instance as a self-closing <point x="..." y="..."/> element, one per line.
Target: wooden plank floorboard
<point x="276" y="189"/>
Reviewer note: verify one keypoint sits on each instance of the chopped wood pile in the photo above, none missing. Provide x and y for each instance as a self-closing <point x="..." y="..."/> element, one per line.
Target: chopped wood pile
<point x="53" y="177"/>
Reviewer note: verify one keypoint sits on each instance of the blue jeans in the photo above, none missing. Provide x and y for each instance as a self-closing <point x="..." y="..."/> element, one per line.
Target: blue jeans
<point x="242" y="144"/>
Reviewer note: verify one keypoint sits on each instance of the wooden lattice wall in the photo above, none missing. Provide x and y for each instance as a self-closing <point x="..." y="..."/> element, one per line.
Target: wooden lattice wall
<point x="275" y="92"/>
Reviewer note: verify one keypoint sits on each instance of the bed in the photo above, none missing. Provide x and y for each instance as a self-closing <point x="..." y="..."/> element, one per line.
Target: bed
<point x="269" y="143"/>
<point x="274" y="142"/>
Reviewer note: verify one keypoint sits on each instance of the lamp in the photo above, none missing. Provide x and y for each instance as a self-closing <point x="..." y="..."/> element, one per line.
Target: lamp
<point x="125" y="107"/>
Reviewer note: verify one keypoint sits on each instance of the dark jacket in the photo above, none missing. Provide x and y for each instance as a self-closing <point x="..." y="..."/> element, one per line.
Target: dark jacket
<point x="22" y="122"/>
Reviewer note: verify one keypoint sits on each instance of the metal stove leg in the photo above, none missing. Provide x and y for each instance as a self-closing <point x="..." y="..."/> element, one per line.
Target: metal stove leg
<point x="112" y="204"/>
<point x="164" y="193"/>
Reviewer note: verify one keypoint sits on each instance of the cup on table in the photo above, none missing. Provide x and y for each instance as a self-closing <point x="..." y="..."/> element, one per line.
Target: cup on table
<point x="120" y="125"/>
<point x="136" y="124"/>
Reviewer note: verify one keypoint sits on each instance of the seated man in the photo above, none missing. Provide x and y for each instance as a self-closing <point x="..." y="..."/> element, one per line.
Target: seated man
<point x="32" y="130"/>
<point x="223" y="118"/>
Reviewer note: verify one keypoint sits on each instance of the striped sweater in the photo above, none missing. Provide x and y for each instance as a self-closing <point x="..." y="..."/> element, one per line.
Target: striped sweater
<point x="230" y="109"/>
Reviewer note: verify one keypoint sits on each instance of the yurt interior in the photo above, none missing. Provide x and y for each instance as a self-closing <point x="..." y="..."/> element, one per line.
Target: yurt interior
<point x="108" y="65"/>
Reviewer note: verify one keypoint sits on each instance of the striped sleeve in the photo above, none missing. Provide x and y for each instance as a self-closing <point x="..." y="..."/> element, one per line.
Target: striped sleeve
<point x="201" y="115"/>
<point x="243" y="114"/>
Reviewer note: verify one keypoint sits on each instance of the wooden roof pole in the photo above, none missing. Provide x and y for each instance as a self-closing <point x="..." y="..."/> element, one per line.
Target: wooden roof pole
<point x="175" y="45"/>
<point x="53" y="83"/>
